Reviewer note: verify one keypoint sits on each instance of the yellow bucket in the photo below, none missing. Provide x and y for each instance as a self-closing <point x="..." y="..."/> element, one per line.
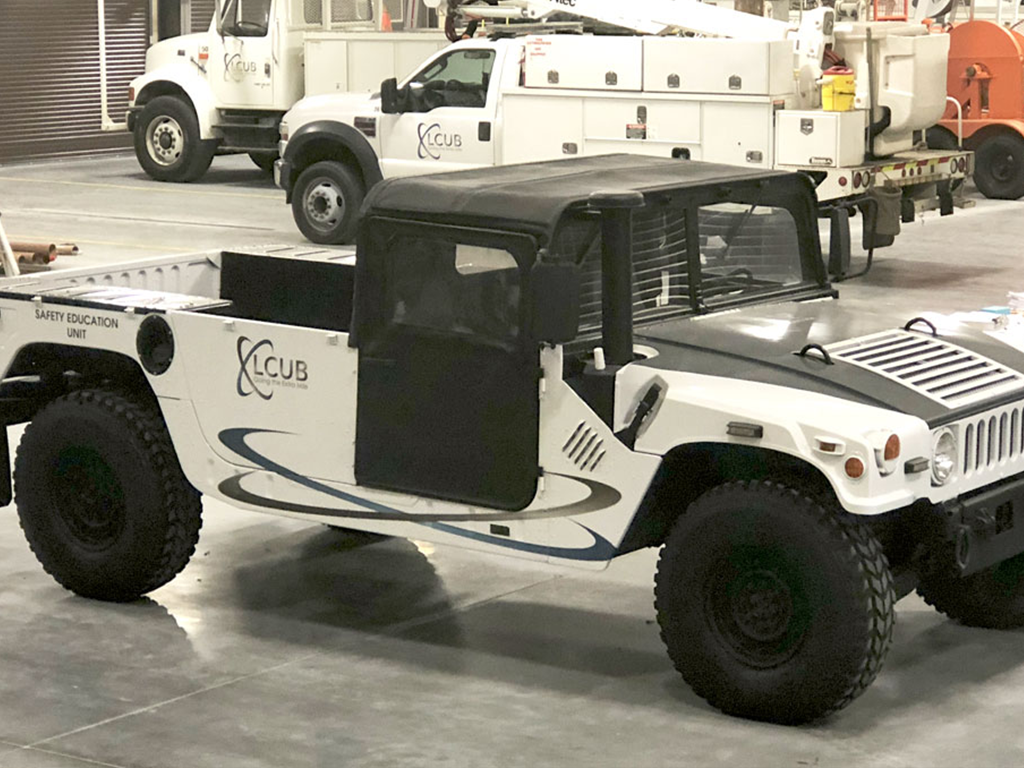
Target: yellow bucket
<point x="838" y="87"/>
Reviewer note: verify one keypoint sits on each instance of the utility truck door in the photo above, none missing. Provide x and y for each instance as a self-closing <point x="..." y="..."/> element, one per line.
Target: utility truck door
<point x="448" y="118"/>
<point x="242" y="68"/>
<point x="448" y="384"/>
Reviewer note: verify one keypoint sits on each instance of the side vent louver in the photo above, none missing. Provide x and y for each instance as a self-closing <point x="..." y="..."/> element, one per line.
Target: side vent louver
<point x="937" y="369"/>
<point x="584" y="448"/>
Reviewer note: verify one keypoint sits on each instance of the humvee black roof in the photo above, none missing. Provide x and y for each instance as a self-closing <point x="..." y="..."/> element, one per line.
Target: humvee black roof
<point x="532" y="197"/>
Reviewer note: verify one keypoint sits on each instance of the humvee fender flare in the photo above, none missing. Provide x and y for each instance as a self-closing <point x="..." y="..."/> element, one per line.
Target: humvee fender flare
<point x="325" y="138"/>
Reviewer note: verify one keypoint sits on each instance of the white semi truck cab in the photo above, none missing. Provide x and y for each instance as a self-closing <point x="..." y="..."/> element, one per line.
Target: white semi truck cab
<point x="224" y="90"/>
<point x="754" y="103"/>
<point x="564" y="361"/>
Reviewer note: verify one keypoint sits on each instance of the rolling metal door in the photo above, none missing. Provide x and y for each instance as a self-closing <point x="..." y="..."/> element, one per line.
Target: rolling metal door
<point x="50" y="74"/>
<point x="201" y="14"/>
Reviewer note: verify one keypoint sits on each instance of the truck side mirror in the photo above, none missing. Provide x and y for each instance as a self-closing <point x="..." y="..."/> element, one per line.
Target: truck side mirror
<point x="555" y="300"/>
<point x="389" y="103"/>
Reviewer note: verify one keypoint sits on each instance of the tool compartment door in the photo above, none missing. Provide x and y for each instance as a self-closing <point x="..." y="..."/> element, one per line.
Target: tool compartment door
<point x="448" y="384"/>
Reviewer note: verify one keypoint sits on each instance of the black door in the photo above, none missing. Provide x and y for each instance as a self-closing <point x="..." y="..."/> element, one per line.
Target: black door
<point x="448" y="402"/>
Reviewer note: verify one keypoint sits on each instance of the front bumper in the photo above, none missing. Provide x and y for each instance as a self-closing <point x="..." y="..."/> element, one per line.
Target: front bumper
<point x="283" y="177"/>
<point x="131" y="116"/>
<point x="988" y="526"/>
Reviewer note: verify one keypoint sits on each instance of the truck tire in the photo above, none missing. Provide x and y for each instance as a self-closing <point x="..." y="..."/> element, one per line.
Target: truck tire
<point x="264" y="160"/>
<point x="999" y="167"/>
<point x="101" y="496"/>
<point x="993" y="598"/>
<point x="167" y="141"/>
<point x="326" y="203"/>
<point x="774" y="606"/>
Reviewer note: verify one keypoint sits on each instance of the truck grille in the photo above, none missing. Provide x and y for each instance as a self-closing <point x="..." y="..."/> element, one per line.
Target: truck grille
<point x="943" y="372"/>
<point x="990" y="440"/>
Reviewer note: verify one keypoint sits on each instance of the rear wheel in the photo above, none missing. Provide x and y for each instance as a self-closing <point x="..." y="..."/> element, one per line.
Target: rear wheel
<point x="101" y="497"/>
<point x="999" y="166"/>
<point x="772" y="605"/>
<point x="168" y="143"/>
<point x="326" y="202"/>
<point x="264" y="160"/>
<point x="993" y="598"/>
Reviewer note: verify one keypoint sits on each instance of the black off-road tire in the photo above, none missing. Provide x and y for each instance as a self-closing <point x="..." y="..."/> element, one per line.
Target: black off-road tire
<point x="167" y="120"/>
<point x="999" y="166"/>
<point x="326" y="203"/>
<point x="102" y="498"/>
<point x="773" y="605"/>
<point x="993" y="598"/>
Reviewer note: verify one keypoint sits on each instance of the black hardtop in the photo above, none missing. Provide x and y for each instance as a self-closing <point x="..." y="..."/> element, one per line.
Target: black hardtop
<point x="532" y="197"/>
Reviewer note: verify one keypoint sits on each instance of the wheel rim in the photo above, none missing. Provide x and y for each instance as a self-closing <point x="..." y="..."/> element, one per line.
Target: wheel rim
<point x="1004" y="167"/>
<point x="324" y="204"/>
<point x="89" y="499"/>
<point x="165" y="140"/>
<point x="757" y="609"/>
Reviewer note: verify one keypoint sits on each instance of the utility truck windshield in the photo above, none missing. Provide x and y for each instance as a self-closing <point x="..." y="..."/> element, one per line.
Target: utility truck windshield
<point x="246" y="18"/>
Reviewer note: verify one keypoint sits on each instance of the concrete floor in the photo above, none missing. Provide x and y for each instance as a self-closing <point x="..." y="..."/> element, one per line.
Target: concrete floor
<point x="285" y="644"/>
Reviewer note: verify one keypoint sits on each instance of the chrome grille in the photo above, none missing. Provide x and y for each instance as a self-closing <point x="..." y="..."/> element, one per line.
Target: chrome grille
<point x="584" y="448"/>
<point x="937" y="369"/>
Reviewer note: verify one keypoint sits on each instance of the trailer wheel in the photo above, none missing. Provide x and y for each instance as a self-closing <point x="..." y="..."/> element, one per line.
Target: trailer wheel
<point x="326" y="203"/>
<point x="774" y="606"/>
<point x="167" y="141"/>
<point x="999" y="166"/>
<point x="101" y="497"/>
<point x="993" y="598"/>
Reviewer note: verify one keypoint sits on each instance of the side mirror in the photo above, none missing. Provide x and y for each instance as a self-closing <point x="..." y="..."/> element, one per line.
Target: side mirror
<point x="555" y="300"/>
<point x="389" y="97"/>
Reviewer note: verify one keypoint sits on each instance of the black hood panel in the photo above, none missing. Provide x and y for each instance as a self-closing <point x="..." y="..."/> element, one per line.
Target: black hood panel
<point x="758" y="344"/>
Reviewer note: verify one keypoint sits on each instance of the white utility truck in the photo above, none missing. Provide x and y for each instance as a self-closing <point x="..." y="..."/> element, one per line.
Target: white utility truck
<point x="224" y="91"/>
<point x="563" y="361"/>
<point x="750" y="97"/>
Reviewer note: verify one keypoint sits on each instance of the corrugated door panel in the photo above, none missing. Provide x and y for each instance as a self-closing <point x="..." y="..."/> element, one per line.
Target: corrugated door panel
<point x="202" y="14"/>
<point x="50" y="74"/>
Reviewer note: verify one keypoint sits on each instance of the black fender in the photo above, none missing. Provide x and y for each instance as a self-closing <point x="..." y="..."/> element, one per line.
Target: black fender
<point x="344" y="139"/>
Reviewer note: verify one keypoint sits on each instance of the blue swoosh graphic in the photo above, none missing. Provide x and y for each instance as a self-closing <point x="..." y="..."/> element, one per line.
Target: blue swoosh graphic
<point x="601" y="497"/>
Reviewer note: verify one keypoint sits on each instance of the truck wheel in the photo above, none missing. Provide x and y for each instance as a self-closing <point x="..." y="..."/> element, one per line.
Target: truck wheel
<point x="101" y="497"/>
<point x="167" y="141"/>
<point x="772" y="605"/>
<point x="993" y="598"/>
<point x="999" y="167"/>
<point x="264" y="160"/>
<point x="326" y="203"/>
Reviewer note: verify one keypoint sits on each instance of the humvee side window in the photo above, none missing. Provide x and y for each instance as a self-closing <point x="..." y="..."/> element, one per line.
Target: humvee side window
<point x="746" y="248"/>
<point x="454" y="288"/>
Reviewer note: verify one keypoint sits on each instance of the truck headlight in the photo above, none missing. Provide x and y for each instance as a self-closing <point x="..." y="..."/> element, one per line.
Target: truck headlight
<point x="943" y="456"/>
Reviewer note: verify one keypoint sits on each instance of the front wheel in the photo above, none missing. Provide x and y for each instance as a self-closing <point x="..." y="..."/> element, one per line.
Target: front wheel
<point x="101" y="497"/>
<point x="168" y="143"/>
<point x="326" y="202"/>
<point x="772" y="605"/>
<point x="999" y="167"/>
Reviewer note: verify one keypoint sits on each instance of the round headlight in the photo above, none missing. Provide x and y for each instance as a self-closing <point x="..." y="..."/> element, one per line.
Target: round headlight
<point x="943" y="456"/>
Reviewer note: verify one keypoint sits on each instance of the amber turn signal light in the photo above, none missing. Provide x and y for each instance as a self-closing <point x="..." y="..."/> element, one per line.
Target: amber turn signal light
<point x="854" y="467"/>
<point x="892" y="448"/>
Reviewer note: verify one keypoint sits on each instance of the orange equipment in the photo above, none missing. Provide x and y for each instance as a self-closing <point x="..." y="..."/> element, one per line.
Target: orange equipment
<point x="986" y="75"/>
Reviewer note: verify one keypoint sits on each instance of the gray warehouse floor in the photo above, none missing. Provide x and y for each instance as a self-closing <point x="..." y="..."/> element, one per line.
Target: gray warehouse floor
<point x="285" y="644"/>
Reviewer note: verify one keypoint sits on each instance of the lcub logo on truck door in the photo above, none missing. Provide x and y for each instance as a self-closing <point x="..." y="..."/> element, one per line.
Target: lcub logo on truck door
<point x="260" y="370"/>
<point x="433" y="140"/>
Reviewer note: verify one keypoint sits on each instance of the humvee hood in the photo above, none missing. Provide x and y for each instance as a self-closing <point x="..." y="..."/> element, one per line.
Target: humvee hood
<point x="874" y="360"/>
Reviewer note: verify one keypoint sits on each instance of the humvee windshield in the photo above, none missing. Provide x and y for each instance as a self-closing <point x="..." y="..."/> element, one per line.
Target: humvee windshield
<point x="734" y="252"/>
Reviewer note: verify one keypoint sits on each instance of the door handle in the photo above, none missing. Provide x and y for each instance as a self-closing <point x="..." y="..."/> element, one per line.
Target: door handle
<point x="483" y="131"/>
